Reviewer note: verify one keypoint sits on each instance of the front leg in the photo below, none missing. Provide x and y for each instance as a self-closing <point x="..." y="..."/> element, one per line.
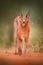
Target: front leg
<point x="24" y="46"/>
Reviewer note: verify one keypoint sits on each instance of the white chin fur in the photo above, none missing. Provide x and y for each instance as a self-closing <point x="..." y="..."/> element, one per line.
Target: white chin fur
<point x="23" y="24"/>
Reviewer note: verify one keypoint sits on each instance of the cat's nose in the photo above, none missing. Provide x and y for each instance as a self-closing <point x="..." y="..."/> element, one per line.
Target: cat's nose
<point x="23" y="21"/>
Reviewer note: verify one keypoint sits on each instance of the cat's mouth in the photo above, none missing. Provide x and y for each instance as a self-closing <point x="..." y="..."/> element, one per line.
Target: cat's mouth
<point x="23" y="23"/>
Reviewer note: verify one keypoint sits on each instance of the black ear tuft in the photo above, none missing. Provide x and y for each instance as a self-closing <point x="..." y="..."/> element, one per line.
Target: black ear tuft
<point x="20" y="15"/>
<point x="28" y="15"/>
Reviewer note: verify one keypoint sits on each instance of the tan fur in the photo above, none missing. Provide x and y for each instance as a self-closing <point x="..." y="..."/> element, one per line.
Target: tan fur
<point x="21" y="33"/>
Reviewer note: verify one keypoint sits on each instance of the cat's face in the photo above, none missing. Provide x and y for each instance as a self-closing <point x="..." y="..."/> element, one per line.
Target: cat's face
<point x="24" y="19"/>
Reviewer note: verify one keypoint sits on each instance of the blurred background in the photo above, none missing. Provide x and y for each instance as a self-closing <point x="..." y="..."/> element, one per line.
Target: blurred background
<point x="9" y="9"/>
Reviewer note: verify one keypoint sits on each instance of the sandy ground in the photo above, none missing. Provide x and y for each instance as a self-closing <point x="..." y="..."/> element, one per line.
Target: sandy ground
<point x="7" y="57"/>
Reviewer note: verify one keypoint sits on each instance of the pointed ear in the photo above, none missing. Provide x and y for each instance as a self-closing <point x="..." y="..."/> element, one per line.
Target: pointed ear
<point x="20" y="15"/>
<point x="28" y="15"/>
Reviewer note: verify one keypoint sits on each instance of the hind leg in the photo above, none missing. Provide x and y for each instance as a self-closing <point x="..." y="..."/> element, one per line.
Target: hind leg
<point x="15" y="43"/>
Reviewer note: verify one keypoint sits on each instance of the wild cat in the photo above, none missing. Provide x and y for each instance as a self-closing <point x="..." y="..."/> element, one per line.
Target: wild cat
<point x="21" y="32"/>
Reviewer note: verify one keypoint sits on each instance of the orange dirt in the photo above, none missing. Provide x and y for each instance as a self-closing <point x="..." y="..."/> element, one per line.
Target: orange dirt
<point x="9" y="58"/>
